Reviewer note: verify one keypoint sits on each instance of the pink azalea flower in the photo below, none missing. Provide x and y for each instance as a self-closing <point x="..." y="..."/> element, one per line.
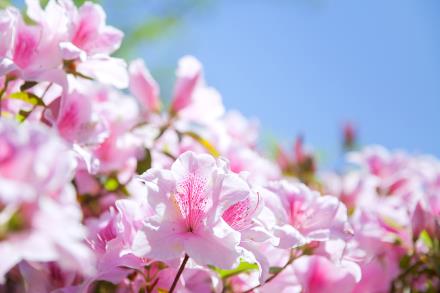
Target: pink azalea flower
<point x="143" y="86"/>
<point x="30" y="52"/>
<point x="40" y="219"/>
<point x="193" y="100"/>
<point x="81" y="38"/>
<point x="90" y="43"/>
<point x="318" y="274"/>
<point x="47" y="277"/>
<point x="189" y="74"/>
<point x="111" y="238"/>
<point x="190" y="200"/>
<point x="91" y="34"/>
<point x="77" y="123"/>
<point x="355" y="189"/>
<point x="243" y="217"/>
<point x="303" y="215"/>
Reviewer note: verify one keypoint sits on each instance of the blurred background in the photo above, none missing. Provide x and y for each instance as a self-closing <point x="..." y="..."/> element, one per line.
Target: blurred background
<point x="303" y="66"/>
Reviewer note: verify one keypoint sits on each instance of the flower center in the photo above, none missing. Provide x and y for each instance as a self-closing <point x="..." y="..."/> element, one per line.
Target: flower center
<point x="192" y="200"/>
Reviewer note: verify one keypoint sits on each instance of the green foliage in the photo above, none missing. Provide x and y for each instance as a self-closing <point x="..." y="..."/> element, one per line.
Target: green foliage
<point x="241" y="268"/>
<point x="426" y="239"/>
<point x="112" y="184"/>
<point x="28" y="85"/>
<point x="28" y="98"/>
<point x="144" y="164"/>
<point x="15" y="223"/>
<point x="204" y="142"/>
<point x="4" y="3"/>
<point x="22" y="115"/>
<point x="78" y="3"/>
<point x="104" y="287"/>
<point x="151" y="30"/>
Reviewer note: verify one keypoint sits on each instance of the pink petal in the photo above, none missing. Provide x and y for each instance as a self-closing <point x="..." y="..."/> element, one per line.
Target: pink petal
<point x="218" y="247"/>
<point x="189" y="74"/>
<point x="143" y="86"/>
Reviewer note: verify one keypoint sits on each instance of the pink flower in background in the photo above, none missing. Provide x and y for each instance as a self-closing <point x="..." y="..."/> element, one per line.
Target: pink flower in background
<point x="143" y="86"/>
<point x="303" y="215"/>
<point x="90" y="33"/>
<point x="111" y="238"/>
<point x="90" y="43"/>
<point x="189" y="74"/>
<point x="30" y="52"/>
<point x="193" y="100"/>
<point x="353" y="188"/>
<point x="190" y="200"/>
<point x="318" y="274"/>
<point x="40" y="219"/>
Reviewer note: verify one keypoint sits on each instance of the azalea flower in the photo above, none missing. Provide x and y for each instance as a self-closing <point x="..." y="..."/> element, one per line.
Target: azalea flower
<point x="190" y="200"/>
<point x="40" y="219"/>
<point x="303" y="215"/>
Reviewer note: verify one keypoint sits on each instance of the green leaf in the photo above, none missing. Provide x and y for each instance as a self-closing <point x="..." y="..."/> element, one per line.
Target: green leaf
<point x="426" y="239"/>
<point x="4" y="3"/>
<point x="241" y="268"/>
<point x="15" y="223"/>
<point x="144" y="164"/>
<point x="43" y="3"/>
<point x="79" y="3"/>
<point x="205" y="143"/>
<point x="150" y="30"/>
<point x="27" y="85"/>
<point x="28" y="98"/>
<point x="111" y="184"/>
<point x="103" y="287"/>
<point x="405" y="261"/>
<point x="22" y="115"/>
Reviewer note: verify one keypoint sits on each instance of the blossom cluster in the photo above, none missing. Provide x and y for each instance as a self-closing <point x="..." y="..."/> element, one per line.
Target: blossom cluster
<point x="103" y="188"/>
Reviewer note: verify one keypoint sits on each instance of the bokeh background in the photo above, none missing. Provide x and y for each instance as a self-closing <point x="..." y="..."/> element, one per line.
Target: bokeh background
<point x="303" y="66"/>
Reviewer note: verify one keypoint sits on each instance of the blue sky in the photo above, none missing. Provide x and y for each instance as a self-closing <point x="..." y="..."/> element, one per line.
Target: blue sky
<point x="305" y="66"/>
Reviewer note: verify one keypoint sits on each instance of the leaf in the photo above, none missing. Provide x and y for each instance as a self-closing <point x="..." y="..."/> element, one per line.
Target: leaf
<point x="28" y="98"/>
<point x="27" y="85"/>
<point x="43" y="3"/>
<point x="4" y="3"/>
<point x="103" y="287"/>
<point x="405" y="261"/>
<point x="22" y="115"/>
<point x="241" y="268"/>
<point x="150" y="30"/>
<point x="79" y="3"/>
<point x="426" y="239"/>
<point x="144" y="164"/>
<point x="205" y="143"/>
<point x="111" y="184"/>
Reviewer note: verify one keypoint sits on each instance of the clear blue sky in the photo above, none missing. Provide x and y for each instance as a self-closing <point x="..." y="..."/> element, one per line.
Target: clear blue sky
<point x="306" y="66"/>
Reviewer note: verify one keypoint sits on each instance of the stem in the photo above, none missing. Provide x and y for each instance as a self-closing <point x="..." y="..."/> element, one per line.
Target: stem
<point x="2" y="92"/>
<point x="289" y="262"/>
<point x="46" y="90"/>
<point x="403" y="275"/>
<point x="179" y="272"/>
